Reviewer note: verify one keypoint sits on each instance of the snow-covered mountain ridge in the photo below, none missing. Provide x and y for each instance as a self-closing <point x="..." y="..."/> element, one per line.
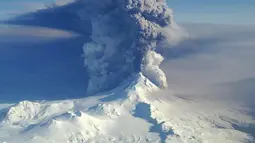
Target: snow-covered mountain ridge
<point x="128" y="113"/>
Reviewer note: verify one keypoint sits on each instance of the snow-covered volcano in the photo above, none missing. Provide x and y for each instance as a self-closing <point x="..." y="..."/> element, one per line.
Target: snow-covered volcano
<point x="136" y="111"/>
<point x="132" y="101"/>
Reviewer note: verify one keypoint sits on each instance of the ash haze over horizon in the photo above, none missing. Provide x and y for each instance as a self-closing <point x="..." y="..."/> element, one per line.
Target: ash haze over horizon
<point x="92" y="71"/>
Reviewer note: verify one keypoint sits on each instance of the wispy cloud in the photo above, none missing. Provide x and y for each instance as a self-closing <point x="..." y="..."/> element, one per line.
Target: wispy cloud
<point x="63" y="2"/>
<point x="10" y="9"/>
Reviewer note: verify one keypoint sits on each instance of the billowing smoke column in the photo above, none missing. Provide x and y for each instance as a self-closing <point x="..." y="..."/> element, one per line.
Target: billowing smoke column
<point x="125" y="34"/>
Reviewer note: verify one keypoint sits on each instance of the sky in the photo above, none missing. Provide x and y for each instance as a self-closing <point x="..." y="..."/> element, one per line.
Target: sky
<point x="214" y="11"/>
<point x="186" y="11"/>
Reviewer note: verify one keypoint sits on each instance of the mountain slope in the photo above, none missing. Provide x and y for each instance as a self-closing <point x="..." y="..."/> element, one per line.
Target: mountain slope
<point x="128" y="113"/>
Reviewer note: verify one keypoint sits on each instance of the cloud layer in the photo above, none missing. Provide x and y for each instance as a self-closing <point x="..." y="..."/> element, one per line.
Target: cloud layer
<point x="215" y="64"/>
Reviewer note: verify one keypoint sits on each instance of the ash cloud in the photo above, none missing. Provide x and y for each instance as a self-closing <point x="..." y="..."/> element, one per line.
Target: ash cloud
<point x="125" y="34"/>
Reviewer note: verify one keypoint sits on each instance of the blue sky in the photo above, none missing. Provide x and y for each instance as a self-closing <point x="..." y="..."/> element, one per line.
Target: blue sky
<point x="214" y="11"/>
<point x="9" y="8"/>
<point x="198" y="11"/>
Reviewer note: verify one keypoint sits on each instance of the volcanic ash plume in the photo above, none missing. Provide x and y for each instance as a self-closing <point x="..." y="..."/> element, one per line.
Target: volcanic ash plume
<point x="125" y="34"/>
